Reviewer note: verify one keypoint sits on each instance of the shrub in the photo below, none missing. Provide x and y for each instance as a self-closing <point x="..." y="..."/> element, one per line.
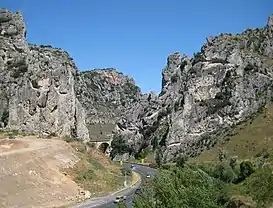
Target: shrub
<point x="181" y="160"/>
<point x="119" y="146"/>
<point x="144" y="153"/>
<point x="86" y="175"/>
<point x="12" y="133"/>
<point x="70" y="139"/>
<point x="246" y="169"/>
<point x="260" y="186"/>
<point x="5" y="117"/>
<point x="126" y="172"/>
<point x="121" y="205"/>
<point x="232" y="162"/>
<point x="182" y="188"/>
<point x="158" y="157"/>
<point x="224" y="172"/>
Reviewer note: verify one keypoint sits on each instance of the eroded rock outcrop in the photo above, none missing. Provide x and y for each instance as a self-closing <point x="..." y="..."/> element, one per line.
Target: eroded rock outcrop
<point x="202" y="97"/>
<point x="37" y="84"/>
<point x="106" y="95"/>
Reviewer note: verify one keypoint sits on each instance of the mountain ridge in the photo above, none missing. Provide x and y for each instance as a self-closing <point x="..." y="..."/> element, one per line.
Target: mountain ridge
<point x="202" y="97"/>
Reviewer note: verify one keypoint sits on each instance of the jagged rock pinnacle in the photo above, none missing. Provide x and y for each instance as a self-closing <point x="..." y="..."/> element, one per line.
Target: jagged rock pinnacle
<point x="270" y="21"/>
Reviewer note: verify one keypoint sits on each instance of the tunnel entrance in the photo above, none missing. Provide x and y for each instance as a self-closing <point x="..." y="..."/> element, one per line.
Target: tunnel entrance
<point x="103" y="147"/>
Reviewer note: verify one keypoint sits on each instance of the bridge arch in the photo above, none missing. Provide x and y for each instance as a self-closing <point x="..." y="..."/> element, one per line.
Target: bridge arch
<point x="104" y="146"/>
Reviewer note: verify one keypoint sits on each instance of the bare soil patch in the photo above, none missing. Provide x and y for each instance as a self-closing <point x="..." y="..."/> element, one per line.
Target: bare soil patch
<point x="7" y="145"/>
<point x="30" y="173"/>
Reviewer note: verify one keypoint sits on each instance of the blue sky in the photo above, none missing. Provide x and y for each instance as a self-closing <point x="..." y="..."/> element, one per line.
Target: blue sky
<point x="135" y="37"/>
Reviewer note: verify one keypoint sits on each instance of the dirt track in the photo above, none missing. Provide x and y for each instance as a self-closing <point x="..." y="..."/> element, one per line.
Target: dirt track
<point x="30" y="173"/>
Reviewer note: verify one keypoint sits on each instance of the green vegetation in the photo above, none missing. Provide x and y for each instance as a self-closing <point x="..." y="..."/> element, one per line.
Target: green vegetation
<point x="5" y="117"/>
<point x="121" y="205"/>
<point x="67" y="138"/>
<point x="94" y="171"/>
<point x="12" y="133"/>
<point x="119" y="146"/>
<point x="235" y="173"/>
<point x="182" y="188"/>
<point x="211" y="185"/>
<point x="126" y="171"/>
<point x="246" y="140"/>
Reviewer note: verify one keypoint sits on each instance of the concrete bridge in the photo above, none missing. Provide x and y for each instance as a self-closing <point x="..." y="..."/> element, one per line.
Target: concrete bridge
<point x="102" y="145"/>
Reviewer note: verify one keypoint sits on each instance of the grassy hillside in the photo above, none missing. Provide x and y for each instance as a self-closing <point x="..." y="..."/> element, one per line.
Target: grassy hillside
<point x="236" y="173"/>
<point x="246" y="140"/>
<point x="95" y="172"/>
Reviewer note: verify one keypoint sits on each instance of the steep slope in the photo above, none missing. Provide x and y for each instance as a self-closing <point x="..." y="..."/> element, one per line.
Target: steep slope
<point x="42" y="90"/>
<point x="247" y="140"/>
<point x="37" y="84"/>
<point x="204" y="96"/>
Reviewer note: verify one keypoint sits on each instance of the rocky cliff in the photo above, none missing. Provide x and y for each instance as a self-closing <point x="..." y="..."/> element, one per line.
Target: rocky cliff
<point x="37" y="84"/>
<point x="106" y="95"/>
<point x="204" y="96"/>
<point x="42" y="91"/>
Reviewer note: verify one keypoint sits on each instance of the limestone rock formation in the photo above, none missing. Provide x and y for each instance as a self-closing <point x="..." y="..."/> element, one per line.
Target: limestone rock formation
<point x="36" y="84"/>
<point x="106" y="95"/>
<point x="203" y="96"/>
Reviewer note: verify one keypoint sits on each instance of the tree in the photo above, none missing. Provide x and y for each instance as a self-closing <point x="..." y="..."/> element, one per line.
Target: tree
<point x="260" y="186"/>
<point x="246" y="169"/>
<point x="119" y="146"/>
<point x="181" y="160"/>
<point x="224" y="172"/>
<point x="181" y="188"/>
<point x="121" y="205"/>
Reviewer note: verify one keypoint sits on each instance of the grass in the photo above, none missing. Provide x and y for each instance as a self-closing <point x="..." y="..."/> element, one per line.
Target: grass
<point x="246" y="140"/>
<point x="11" y="133"/>
<point x="95" y="172"/>
<point x="250" y="141"/>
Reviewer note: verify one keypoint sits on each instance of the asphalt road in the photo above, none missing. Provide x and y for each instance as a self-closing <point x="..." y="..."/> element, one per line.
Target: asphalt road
<point x="108" y="201"/>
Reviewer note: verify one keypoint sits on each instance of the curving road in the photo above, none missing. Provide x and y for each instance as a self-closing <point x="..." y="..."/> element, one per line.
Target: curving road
<point x="108" y="201"/>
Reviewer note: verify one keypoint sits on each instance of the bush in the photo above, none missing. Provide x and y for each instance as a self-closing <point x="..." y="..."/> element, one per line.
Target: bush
<point x="121" y="205"/>
<point x="12" y="133"/>
<point x="246" y="168"/>
<point x="5" y="117"/>
<point x="70" y="139"/>
<point x="182" y="188"/>
<point x="144" y="152"/>
<point x="233" y="162"/>
<point x="126" y="172"/>
<point x="84" y="176"/>
<point x="181" y="160"/>
<point x="260" y="186"/>
<point x="224" y="172"/>
<point x="119" y="146"/>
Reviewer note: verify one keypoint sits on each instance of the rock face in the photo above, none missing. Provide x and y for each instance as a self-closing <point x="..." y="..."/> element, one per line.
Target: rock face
<point x="106" y="95"/>
<point x="42" y="91"/>
<point x="204" y="96"/>
<point x="37" y="84"/>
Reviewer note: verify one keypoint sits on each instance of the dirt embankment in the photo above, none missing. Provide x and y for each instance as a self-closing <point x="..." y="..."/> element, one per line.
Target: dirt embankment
<point x="30" y="173"/>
